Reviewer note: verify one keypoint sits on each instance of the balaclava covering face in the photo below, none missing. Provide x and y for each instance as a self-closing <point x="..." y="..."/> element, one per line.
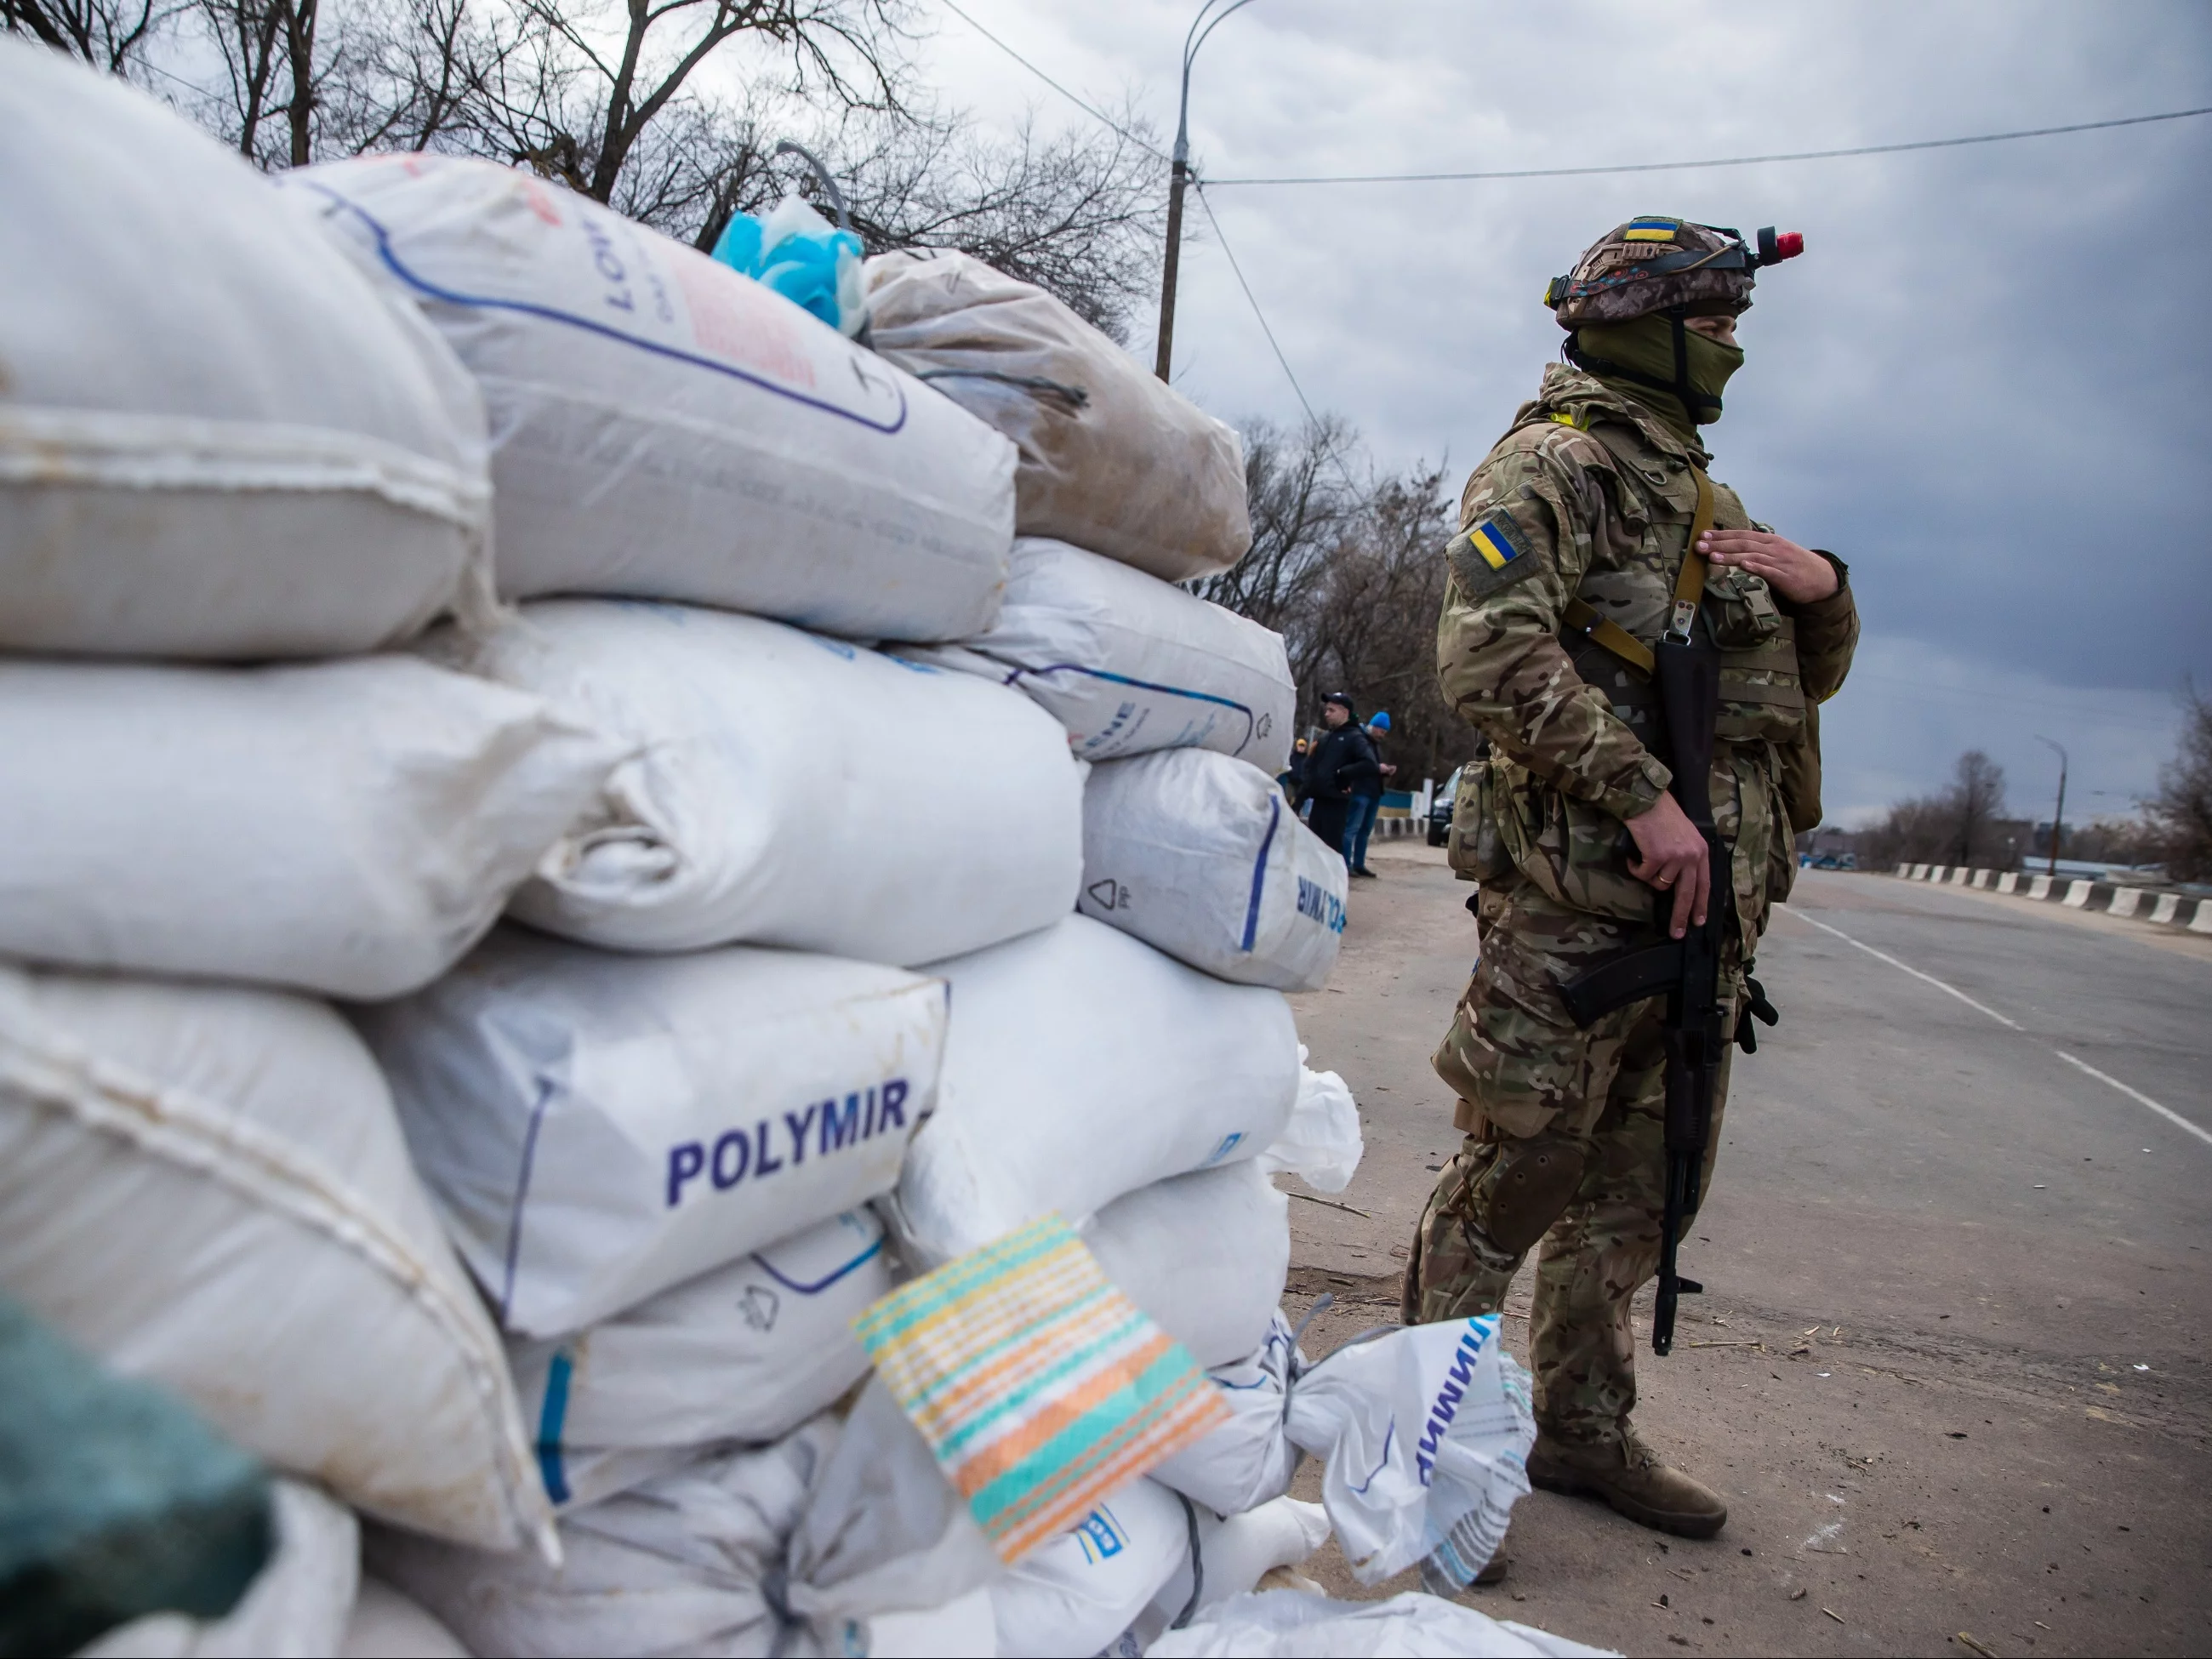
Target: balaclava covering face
<point x="1646" y="344"/>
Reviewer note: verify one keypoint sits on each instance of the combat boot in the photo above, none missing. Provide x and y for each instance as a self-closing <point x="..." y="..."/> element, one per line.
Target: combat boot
<point x="1631" y="1477"/>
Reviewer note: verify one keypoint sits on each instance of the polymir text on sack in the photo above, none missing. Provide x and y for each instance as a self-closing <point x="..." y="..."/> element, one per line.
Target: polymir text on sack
<point x="1317" y="903"/>
<point x="1446" y="1405"/>
<point x="740" y="1150"/>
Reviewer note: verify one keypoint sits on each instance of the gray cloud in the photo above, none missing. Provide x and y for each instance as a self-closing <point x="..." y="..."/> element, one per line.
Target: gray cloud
<point x="1985" y="385"/>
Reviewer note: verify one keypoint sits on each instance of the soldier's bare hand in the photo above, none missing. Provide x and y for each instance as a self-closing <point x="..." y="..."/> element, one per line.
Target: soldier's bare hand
<point x="1672" y="857"/>
<point x="1798" y="573"/>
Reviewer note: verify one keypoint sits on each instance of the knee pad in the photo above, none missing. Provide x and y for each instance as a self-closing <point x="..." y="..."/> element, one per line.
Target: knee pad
<point x="1527" y="1187"/>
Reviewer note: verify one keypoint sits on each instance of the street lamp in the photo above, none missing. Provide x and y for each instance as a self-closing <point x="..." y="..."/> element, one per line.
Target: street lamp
<point x="1181" y="174"/>
<point x="2058" y="817"/>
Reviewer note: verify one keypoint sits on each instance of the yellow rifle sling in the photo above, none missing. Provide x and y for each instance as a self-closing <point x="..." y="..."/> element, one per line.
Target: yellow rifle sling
<point x="1690" y="580"/>
<point x="1582" y="618"/>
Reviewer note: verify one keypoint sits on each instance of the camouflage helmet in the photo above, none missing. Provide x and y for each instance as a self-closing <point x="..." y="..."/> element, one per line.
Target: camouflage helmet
<point x="1656" y="263"/>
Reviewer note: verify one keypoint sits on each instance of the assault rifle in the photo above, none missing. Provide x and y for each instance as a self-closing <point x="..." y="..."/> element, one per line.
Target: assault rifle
<point x="1687" y="970"/>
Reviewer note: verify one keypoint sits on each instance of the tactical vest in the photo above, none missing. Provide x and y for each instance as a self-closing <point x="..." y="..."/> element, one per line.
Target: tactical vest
<point x="1617" y="616"/>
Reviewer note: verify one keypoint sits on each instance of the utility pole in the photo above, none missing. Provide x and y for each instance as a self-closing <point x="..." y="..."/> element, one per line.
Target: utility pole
<point x="2058" y="817"/>
<point x="1179" y="175"/>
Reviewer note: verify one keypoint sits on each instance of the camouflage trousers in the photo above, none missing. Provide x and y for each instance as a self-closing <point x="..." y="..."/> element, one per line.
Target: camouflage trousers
<point x="1565" y="1145"/>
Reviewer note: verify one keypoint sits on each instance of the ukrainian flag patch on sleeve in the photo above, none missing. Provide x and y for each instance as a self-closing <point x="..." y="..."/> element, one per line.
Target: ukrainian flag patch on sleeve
<point x="1491" y="554"/>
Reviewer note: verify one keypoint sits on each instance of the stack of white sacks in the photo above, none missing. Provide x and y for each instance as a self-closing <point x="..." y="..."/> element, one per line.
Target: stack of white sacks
<point x="415" y="544"/>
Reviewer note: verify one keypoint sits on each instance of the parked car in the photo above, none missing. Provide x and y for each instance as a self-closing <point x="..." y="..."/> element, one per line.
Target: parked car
<point x="1440" y="810"/>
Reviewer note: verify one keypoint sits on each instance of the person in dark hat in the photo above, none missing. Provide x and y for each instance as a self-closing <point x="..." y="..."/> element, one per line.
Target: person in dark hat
<point x="1342" y="763"/>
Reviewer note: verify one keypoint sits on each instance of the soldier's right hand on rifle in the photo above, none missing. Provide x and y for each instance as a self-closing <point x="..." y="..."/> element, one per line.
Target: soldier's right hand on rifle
<point x="1672" y="856"/>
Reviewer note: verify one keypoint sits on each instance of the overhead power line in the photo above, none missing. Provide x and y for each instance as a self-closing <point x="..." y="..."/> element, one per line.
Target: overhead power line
<point x="1715" y="162"/>
<point x="1087" y="108"/>
<point x="1252" y="300"/>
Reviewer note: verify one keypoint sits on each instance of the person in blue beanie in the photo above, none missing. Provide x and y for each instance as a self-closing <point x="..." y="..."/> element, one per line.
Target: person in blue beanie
<point x="1366" y="798"/>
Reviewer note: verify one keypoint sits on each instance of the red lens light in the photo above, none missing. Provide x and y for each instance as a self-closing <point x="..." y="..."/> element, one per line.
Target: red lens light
<point x="1788" y="245"/>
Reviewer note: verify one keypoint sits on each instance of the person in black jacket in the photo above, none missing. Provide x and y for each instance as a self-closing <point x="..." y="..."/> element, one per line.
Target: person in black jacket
<point x="1341" y="763"/>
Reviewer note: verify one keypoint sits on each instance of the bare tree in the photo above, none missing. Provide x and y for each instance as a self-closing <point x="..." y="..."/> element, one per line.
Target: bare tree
<point x="607" y="97"/>
<point x="2182" y="809"/>
<point x="1351" y="574"/>
<point x="586" y="80"/>
<point x="110" y="34"/>
<point x="1963" y="824"/>
<point x="1976" y="801"/>
<point x="1297" y="487"/>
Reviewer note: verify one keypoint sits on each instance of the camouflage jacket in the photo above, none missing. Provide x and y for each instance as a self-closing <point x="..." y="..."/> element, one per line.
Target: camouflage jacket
<point x="1591" y="495"/>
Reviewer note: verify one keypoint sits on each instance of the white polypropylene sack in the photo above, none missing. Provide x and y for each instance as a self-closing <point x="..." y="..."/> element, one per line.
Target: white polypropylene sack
<point x="1200" y="855"/>
<point x="349" y="827"/>
<point x="1129" y="664"/>
<point x="1111" y="457"/>
<point x="386" y="1625"/>
<point x="218" y="438"/>
<point x="206" y="1186"/>
<point x="1069" y="1598"/>
<point x="296" y="1607"/>
<point x="795" y="1548"/>
<point x="788" y="789"/>
<point x="748" y="1351"/>
<point x="1083" y="1065"/>
<point x="1205" y="1254"/>
<point x="1114" y="1582"/>
<point x="1232" y="1554"/>
<point x="1321" y="1144"/>
<point x="597" y="1128"/>
<point x="1427" y="1431"/>
<point x="1292" y="1624"/>
<point x="1249" y="1460"/>
<point x="665" y="427"/>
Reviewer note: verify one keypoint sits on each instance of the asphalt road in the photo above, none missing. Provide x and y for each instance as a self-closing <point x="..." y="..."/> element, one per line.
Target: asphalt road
<point x="1954" y="1382"/>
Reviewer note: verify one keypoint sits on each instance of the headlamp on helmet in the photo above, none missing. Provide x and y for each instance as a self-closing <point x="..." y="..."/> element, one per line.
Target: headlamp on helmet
<point x="1654" y="263"/>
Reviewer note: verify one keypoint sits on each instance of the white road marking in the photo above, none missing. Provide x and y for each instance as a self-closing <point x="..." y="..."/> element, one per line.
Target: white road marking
<point x="2135" y="1095"/>
<point x="1979" y="1008"/>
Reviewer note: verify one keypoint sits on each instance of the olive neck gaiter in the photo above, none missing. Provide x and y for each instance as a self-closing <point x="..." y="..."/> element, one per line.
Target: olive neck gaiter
<point x="1646" y="345"/>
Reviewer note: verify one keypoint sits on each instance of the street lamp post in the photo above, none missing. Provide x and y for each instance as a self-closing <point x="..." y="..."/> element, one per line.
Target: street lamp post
<point x="2058" y="815"/>
<point x="1179" y="175"/>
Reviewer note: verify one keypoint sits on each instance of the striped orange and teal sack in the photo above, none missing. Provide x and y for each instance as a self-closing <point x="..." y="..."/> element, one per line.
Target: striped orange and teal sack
<point x="1040" y="1387"/>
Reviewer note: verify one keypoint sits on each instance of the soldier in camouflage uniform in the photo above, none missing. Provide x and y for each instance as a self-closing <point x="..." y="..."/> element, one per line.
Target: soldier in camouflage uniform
<point x="1575" y="528"/>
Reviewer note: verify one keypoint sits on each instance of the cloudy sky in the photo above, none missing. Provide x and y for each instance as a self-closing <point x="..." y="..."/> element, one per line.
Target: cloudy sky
<point x="1985" y="385"/>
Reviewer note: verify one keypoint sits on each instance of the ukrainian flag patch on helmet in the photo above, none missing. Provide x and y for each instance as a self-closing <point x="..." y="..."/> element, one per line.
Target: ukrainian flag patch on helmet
<point x="1651" y="230"/>
<point x="1491" y="555"/>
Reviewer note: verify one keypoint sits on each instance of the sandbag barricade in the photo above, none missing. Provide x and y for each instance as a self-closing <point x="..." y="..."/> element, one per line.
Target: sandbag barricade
<point x="792" y="1004"/>
<point x="668" y="429"/>
<point x="783" y="788"/>
<point x="1205" y="1254"/>
<point x="1141" y="1563"/>
<point x="1067" y="1031"/>
<point x="1111" y="457"/>
<point x="597" y="1128"/>
<point x="347" y="827"/>
<point x="218" y="438"/>
<point x="1129" y="664"/>
<point x="818" y="1543"/>
<point x="744" y="1352"/>
<point x="1200" y="856"/>
<point x="207" y="1186"/>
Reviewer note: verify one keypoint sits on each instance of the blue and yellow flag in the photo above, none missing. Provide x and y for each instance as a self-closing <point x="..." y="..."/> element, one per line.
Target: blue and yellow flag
<point x="1489" y="540"/>
<point x="1651" y="230"/>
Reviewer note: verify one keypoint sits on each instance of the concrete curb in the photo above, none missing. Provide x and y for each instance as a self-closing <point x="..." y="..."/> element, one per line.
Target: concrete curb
<point x="2143" y="903"/>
